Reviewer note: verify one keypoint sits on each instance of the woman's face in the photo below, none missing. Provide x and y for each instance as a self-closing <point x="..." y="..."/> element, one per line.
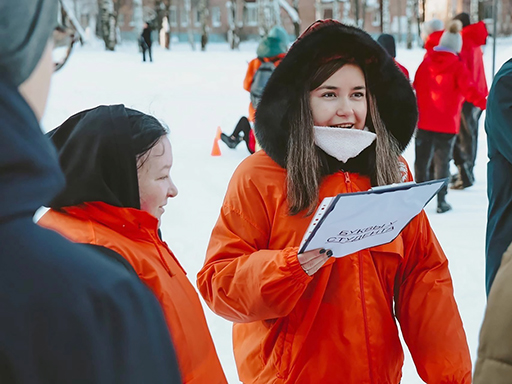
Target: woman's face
<point x="155" y="183"/>
<point x="340" y="102"/>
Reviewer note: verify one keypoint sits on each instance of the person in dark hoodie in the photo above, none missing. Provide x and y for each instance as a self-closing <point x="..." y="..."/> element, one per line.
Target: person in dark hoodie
<point x="334" y="118"/>
<point x="388" y="43"/>
<point x="498" y="126"/>
<point x="69" y="314"/>
<point x="442" y="82"/>
<point x="474" y="36"/>
<point x="117" y="163"/>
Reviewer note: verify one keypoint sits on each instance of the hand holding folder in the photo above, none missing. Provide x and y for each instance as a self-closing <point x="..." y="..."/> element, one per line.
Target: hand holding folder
<point x="349" y="222"/>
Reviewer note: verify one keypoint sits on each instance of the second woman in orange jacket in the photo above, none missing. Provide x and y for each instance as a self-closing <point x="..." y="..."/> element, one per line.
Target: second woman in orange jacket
<point x="310" y="317"/>
<point x="117" y="164"/>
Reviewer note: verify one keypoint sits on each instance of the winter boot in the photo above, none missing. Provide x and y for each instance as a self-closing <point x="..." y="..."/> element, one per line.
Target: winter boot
<point x="230" y="141"/>
<point x="465" y="179"/>
<point x="443" y="206"/>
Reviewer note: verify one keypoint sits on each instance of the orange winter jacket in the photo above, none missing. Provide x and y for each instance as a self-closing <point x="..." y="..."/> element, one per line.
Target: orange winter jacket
<point x="133" y="234"/>
<point x="254" y="64"/>
<point x="337" y="326"/>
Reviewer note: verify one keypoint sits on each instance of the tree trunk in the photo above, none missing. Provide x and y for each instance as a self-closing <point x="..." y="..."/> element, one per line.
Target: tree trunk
<point x="188" y="9"/>
<point x="409" y="13"/>
<point x="203" y="14"/>
<point x="385" y="22"/>
<point x="296" y="25"/>
<point x="137" y="17"/>
<point x="363" y="11"/>
<point x="108" y="24"/>
<point x="233" y="38"/>
<point x="473" y="11"/>
<point x="356" y="12"/>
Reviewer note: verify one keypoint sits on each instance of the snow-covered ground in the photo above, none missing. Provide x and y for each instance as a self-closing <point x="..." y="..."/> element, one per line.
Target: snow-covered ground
<point x="195" y="92"/>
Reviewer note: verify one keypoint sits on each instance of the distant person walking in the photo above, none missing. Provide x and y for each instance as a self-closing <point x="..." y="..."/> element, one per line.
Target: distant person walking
<point x="145" y="42"/>
<point x="442" y="82"/>
<point x="498" y="126"/>
<point x="474" y="36"/>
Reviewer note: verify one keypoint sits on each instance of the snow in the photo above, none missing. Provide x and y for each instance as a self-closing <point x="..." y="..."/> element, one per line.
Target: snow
<point x="195" y="92"/>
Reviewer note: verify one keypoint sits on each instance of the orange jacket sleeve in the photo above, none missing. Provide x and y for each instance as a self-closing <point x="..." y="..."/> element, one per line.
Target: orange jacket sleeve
<point x="427" y="311"/>
<point x="241" y="280"/>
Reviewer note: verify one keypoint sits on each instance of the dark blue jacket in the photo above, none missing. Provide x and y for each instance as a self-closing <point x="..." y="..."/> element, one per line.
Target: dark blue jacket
<point x="498" y="125"/>
<point x="67" y="313"/>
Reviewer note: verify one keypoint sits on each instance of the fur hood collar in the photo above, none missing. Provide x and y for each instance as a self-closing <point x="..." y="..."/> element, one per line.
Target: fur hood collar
<point x="395" y="98"/>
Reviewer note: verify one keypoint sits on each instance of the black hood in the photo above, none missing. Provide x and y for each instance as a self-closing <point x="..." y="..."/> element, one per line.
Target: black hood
<point x="395" y="98"/>
<point x="97" y="158"/>
<point x="29" y="171"/>
<point x="388" y="43"/>
<point x="463" y="18"/>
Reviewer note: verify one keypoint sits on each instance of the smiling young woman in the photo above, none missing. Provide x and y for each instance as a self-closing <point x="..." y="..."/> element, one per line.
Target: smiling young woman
<point x="334" y="118"/>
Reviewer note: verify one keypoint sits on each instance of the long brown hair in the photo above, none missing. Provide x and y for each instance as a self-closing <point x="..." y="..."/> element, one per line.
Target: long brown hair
<point x="303" y="164"/>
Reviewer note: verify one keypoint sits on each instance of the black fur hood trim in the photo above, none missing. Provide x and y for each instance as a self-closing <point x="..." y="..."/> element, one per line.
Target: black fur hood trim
<point x="395" y="98"/>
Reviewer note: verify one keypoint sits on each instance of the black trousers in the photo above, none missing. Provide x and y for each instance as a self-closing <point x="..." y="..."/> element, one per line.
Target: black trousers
<point x="433" y="156"/>
<point x="244" y="126"/>
<point x="464" y="151"/>
<point x="146" y="47"/>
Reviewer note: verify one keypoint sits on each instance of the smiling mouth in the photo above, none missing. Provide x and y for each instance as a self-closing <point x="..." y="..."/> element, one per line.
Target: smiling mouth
<point x="344" y="126"/>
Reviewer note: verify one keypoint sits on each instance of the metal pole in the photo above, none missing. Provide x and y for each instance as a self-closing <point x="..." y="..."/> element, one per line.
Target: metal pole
<point x="494" y="17"/>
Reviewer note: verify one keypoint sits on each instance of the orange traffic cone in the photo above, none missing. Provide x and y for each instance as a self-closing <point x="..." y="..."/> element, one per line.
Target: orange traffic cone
<point x="215" y="148"/>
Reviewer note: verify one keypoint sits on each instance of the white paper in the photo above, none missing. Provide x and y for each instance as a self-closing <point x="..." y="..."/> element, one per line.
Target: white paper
<point x="361" y="220"/>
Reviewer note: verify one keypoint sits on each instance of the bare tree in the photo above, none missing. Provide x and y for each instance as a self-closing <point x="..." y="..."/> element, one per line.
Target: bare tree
<point x="296" y="25"/>
<point x="385" y="16"/>
<point x="203" y="15"/>
<point x="233" y="37"/>
<point x="363" y="16"/>
<point x="410" y="8"/>
<point x="108" y="23"/>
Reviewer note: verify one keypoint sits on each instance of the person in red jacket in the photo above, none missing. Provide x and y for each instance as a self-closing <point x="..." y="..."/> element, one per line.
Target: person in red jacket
<point x="442" y="82"/>
<point x="117" y="163"/>
<point x="334" y="118"/>
<point x="271" y="49"/>
<point x="474" y="36"/>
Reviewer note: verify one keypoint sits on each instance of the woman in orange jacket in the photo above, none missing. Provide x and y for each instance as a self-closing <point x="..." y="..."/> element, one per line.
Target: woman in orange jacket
<point x="117" y="164"/>
<point x="334" y="118"/>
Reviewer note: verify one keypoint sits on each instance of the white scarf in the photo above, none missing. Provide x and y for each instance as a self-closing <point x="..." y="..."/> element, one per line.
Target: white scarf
<point x="342" y="143"/>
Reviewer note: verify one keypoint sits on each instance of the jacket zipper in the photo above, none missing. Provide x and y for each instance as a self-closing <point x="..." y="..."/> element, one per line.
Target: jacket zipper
<point x="361" y="288"/>
<point x="365" y="315"/>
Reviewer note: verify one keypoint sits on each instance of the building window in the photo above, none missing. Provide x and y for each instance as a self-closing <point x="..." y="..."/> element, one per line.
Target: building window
<point x="328" y="13"/>
<point x="251" y="14"/>
<point x="173" y="16"/>
<point x="216" y="17"/>
<point x="183" y="17"/>
<point x="197" y="17"/>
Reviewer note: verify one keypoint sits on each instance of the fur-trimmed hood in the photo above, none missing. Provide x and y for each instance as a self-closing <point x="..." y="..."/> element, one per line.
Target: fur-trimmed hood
<point x="322" y="41"/>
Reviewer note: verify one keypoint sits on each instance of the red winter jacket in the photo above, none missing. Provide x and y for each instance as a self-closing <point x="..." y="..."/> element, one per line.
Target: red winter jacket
<point x="403" y="69"/>
<point x="432" y="40"/>
<point x="442" y="82"/>
<point x="473" y="37"/>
